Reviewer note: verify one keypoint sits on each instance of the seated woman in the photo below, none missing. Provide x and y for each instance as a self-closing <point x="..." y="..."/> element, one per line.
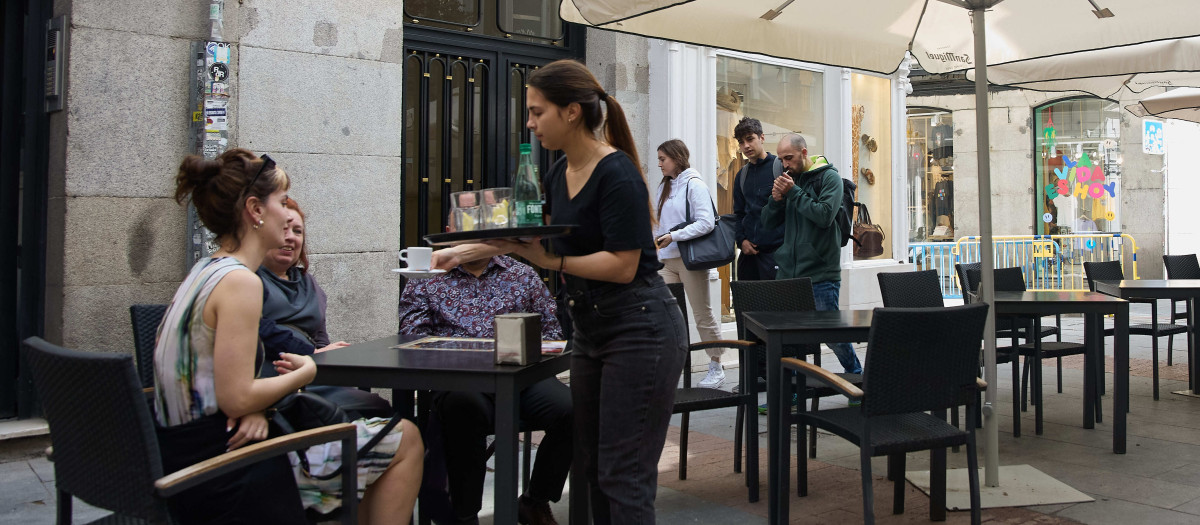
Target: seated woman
<point x="207" y="399"/>
<point x="294" y="306"/>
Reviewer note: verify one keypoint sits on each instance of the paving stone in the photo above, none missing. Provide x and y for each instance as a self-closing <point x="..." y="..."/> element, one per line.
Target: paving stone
<point x="1121" y="512"/>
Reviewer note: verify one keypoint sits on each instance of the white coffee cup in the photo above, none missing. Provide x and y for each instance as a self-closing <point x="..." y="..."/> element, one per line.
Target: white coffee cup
<point x="416" y="257"/>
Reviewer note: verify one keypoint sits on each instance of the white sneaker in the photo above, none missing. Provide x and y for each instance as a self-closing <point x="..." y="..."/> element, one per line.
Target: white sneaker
<point x="715" y="377"/>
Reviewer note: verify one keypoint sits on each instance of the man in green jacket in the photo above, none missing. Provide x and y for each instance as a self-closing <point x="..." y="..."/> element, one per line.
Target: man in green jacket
<point x="807" y="208"/>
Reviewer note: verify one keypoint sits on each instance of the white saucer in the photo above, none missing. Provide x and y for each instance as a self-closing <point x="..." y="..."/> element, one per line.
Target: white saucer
<point x="418" y="274"/>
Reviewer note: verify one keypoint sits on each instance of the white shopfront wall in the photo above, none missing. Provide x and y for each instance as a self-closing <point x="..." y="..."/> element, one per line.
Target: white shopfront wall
<point x="683" y="103"/>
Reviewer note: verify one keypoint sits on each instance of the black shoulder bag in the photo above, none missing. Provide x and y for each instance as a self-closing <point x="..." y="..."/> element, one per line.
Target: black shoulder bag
<point x="711" y="250"/>
<point x="305" y="411"/>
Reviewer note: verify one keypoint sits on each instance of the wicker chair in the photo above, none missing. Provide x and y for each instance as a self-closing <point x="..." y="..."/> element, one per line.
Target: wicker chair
<point x="1180" y="267"/>
<point x="920" y="289"/>
<point x="919" y="360"/>
<point x="690" y="398"/>
<point x="1111" y="271"/>
<point x="784" y="295"/>
<point x="911" y="289"/>
<point x="1013" y="280"/>
<point x="145" y="319"/>
<point x="105" y="449"/>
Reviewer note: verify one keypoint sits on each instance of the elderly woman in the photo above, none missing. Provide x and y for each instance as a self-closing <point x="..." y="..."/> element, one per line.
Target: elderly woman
<point x="208" y="398"/>
<point x="294" y="316"/>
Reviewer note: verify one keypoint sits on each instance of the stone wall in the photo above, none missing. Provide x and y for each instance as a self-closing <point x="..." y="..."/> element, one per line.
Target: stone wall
<point x="621" y="64"/>
<point x="316" y="85"/>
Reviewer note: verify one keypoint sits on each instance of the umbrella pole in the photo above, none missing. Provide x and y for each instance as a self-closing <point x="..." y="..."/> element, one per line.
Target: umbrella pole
<point x="991" y="430"/>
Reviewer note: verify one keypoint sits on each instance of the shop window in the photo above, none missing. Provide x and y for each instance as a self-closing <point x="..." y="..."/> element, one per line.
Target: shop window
<point x="522" y="20"/>
<point x="930" y="159"/>
<point x="1078" y="166"/>
<point x="871" y="150"/>
<point x="784" y="99"/>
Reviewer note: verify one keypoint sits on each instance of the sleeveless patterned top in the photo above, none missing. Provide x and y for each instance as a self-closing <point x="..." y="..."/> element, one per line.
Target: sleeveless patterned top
<point x="183" y="354"/>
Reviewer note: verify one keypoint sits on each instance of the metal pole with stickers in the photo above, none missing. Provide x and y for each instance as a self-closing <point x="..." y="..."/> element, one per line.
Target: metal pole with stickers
<point x="208" y="91"/>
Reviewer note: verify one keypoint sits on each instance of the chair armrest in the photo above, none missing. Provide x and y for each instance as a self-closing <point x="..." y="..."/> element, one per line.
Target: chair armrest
<point x="981" y="384"/>
<point x="842" y="386"/>
<point x="189" y="477"/>
<point x="729" y="343"/>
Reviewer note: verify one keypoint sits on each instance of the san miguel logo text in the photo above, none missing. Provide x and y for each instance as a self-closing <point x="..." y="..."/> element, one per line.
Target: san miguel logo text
<point x="949" y="57"/>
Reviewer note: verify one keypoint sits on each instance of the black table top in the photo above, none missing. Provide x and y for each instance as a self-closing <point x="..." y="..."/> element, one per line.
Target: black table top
<point x="1150" y="288"/>
<point x="1056" y="297"/>
<point x="792" y="321"/>
<point x="378" y="355"/>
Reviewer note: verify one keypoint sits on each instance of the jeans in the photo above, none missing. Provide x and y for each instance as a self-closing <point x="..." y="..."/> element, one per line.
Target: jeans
<point x="825" y="294"/>
<point x="468" y="418"/>
<point x="758" y="267"/>
<point x="629" y="346"/>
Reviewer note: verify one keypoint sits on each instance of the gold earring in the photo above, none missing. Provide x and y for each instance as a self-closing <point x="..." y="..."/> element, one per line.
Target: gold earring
<point x="260" y="223"/>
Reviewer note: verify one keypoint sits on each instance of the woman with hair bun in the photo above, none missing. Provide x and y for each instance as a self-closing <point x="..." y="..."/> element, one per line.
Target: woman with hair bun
<point x="207" y="399"/>
<point x="629" y="340"/>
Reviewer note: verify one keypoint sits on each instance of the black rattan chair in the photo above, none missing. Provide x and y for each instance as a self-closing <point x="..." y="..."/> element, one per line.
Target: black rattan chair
<point x="690" y="398"/>
<point x="922" y="289"/>
<point x="911" y="289"/>
<point x="1111" y="271"/>
<point x="1013" y="280"/>
<point x="1180" y="267"/>
<point x="919" y="360"/>
<point x="105" y="450"/>
<point x="784" y="295"/>
<point x="145" y="319"/>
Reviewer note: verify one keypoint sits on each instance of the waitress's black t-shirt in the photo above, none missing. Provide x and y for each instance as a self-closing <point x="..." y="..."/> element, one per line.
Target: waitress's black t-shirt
<point x="611" y="211"/>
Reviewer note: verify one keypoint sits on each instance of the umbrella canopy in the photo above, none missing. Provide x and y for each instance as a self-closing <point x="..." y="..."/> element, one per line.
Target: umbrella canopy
<point x="873" y="35"/>
<point x="1182" y="104"/>
<point x="1103" y="72"/>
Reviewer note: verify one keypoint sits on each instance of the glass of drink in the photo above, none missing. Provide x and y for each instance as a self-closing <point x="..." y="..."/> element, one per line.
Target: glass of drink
<point x="465" y="211"/>
<point x="496" y="210"/>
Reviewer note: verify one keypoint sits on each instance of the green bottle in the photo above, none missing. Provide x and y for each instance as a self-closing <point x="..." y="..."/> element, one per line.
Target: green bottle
<point x="527" y="191"/>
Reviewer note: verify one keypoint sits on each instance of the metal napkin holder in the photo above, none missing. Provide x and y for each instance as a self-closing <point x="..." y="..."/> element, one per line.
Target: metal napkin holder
<point x="518" y="338"/>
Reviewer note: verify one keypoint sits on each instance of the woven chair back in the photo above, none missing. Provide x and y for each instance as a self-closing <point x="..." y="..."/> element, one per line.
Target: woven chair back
<point x="784" y="295"/>
<point x="1102" y="271"/>
<point x="105" y="449"/>
<point x="921" y="359"/>
<point x="964" y="278"/>
<point x="911" y="289"/>
<point x="1005" y="279"/>
<point x="1182" y="266"/>
<point x="145" y="319"/>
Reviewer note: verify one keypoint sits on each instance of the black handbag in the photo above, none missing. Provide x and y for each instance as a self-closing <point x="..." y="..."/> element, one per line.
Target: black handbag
<point x="305" y="411"/>
<point x="711" y="250"/>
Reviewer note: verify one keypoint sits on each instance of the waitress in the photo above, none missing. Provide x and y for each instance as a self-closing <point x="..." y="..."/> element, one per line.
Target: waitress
<point x="629" y="338"/>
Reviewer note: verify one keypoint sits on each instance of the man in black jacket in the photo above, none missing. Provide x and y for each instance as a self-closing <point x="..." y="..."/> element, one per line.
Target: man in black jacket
<point x="751" y="190"/>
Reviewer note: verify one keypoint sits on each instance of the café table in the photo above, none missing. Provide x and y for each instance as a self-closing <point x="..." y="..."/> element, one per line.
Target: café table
<point x="1094" y="306"/>
<point x="379" y="364"/>
<point x="788" y="328"/>
<point x="1174" y="289"/>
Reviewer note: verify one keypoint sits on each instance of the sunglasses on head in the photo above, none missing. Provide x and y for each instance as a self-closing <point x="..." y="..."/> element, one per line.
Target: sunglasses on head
<point x="268" y="163"/>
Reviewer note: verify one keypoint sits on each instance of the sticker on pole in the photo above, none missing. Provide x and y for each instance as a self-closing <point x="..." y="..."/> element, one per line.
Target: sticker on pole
<point x="1152" y="137"/>
<point x="1047" y="217"/>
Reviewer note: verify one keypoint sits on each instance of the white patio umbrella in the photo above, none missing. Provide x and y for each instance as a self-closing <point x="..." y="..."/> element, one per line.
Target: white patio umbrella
<point x="943" y="35"/>
<point x="1182" y="103"/>
<point x="1104" y="72"/>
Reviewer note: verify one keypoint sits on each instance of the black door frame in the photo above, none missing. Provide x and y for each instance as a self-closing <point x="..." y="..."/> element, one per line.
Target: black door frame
<point x="500" y="53"/>
<point x="24" y="160"/>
